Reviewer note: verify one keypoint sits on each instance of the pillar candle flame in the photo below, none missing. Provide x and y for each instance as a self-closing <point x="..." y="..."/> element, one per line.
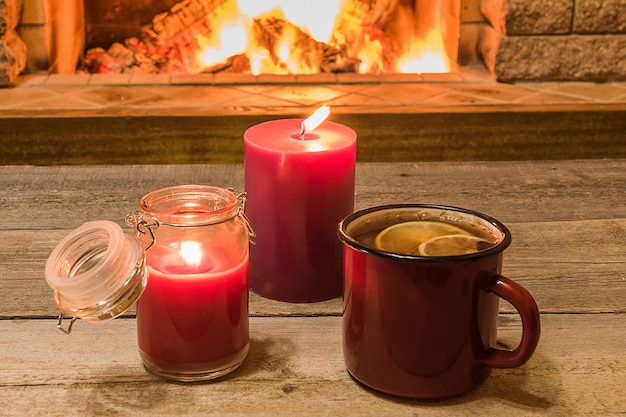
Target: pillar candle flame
<point x="315" y="119"/>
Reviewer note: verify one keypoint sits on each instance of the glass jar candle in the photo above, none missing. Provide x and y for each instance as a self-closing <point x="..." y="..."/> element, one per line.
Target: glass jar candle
<point x="192" y="314"/>
<point x="192" y="319"/>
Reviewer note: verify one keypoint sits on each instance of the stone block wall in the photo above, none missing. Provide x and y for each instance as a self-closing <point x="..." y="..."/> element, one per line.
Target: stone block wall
<point x="562" y="40"/>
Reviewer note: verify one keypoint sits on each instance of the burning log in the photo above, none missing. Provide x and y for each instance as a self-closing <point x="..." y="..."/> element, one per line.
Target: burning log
<point x="180" y="18"/>
<point x="236" y="64"/>
<point x="133" y="56"/>
<point x="360" y="19"/>
<point x="311" y="54"/>
<point x="169" y="45"/>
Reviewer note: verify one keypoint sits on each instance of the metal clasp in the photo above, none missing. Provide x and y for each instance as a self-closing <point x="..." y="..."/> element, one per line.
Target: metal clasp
<point x="242" y="198"/>
<point x="143" y="223"/>
<point x="69" y="328"/>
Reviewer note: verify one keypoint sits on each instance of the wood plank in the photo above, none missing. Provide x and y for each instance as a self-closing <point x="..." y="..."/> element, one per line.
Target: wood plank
<point x="295" y="366"/>
<point x="568" y="267"/>
<point x="568" y="222"/>
<point x="554" y="253"/>
<point x="525" y="191"/>
<point x="403" y="134"/>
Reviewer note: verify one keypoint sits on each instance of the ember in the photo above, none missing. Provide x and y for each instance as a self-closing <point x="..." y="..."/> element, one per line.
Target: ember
<point x="285" y="37"/>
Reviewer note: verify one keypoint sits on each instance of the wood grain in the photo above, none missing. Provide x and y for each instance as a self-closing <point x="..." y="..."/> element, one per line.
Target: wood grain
<point x="569" y="266"/>
<point x="567" y="249"/>
<point x="524" y="191"/>
<point x="568" y="222"/>
<point x="295" y="367"/>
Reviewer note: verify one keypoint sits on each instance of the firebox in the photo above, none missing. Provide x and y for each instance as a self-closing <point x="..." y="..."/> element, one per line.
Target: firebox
<point x="257" y="36"/>
<point x="269" y="36"/>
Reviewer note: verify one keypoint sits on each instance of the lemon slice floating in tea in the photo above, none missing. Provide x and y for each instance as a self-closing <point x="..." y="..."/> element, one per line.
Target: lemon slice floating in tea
<point x="452" y="245"/>
<point x="406" y="238"/>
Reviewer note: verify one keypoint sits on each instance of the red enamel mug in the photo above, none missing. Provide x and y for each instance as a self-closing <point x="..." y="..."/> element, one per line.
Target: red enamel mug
<point x="424" y="324"/>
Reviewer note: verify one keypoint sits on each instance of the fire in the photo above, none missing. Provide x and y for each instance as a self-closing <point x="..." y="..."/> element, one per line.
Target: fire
<point x="231" y="27"/>
<point x="371" y="56"/>
<point x="293" y="37"/>
<point x="211" y="51"/>
<point x="315" y="119"/>
<point x="427" y="55"/>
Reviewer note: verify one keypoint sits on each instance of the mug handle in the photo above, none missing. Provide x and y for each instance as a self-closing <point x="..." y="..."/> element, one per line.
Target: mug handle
<point x="526" y="306"/>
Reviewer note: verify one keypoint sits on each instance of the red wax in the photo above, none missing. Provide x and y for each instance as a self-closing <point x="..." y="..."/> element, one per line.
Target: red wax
<point x="299" y="188"/>
<point x="193" y="318"/>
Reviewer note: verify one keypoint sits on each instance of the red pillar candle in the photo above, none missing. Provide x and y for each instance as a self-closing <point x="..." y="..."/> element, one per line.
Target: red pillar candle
<point x="299" y="187"/>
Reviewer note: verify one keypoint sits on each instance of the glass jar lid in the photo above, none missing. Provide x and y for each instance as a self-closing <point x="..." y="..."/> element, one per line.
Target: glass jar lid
<point x="97" y="272"/>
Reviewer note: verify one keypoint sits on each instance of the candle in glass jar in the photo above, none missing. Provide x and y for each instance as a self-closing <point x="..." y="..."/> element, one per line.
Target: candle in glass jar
<point x="299" y="185"/>
<point x="193" y="314"/>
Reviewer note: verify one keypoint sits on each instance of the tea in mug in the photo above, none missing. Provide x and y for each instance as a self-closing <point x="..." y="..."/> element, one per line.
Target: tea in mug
<point x="430" y="238"/>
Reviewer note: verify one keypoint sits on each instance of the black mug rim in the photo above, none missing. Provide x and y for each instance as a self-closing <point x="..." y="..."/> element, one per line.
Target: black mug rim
<point x="354" y="244"/>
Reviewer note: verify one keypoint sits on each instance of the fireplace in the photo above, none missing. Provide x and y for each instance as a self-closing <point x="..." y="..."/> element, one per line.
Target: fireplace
<point x="252" y="36"/>
<point x="514" y="40"/>
<point x="169" y="26"/>
<point x="277" y="37"/>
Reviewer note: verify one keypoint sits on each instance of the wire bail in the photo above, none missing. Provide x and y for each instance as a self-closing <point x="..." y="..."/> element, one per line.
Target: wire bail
<point x="143" y="223"/>
<point x="69" y="327"/>
<point x="242" y="198"/>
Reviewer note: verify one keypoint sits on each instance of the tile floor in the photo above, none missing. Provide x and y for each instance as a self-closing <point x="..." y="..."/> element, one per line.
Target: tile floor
<point x="43" y="95"/>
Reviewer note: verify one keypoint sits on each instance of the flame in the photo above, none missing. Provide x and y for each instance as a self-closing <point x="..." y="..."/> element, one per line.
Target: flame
<point x="371" y="56"/>
<point x="258" y="58"/>
<point x="191" y="252"/>
<point x="315" y="119"/>
<point x="308" y="15"/>
<point x="425" y="55"/>
<point x="233" y="33"/>
<point x="212" y="51"/>
<point x="232" y="26"/>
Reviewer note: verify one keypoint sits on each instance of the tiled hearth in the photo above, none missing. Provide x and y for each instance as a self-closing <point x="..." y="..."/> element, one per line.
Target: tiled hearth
<point x="91" y="119"/>
<point x="58" y="95"/>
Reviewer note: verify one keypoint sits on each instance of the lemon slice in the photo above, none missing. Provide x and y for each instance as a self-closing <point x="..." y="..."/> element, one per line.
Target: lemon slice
<point x="452" y="245"/>
<point x="405" y="238"/>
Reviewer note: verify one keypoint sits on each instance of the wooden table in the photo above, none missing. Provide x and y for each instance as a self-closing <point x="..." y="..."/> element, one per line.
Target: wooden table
<point x="568" y="220"/>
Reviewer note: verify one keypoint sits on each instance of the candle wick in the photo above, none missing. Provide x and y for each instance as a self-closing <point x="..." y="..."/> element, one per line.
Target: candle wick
<point x="302" y="130"/>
